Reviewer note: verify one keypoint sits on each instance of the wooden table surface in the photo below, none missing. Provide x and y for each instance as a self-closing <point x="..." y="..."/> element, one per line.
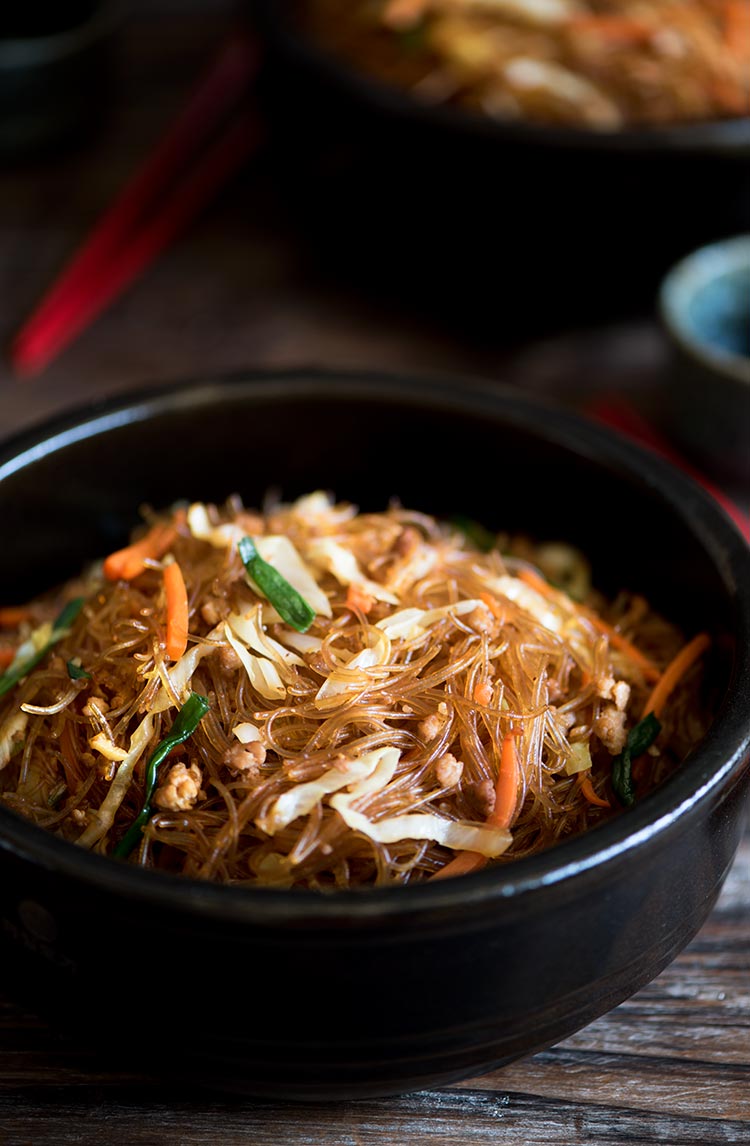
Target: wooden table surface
<point x="672" y="1064"/>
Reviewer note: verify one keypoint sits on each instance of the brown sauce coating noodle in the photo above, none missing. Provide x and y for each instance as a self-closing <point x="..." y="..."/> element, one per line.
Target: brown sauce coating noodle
<point x="363" y="751"/>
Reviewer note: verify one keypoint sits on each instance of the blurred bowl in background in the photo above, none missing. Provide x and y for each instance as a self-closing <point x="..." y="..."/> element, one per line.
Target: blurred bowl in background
<point x="510" y="228"/>
<point x="54" y="70"/>
<point x="705" y="308"/>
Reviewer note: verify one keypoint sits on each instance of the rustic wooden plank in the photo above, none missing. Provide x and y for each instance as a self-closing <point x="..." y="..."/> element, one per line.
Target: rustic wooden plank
<point x="446" y="1117"/>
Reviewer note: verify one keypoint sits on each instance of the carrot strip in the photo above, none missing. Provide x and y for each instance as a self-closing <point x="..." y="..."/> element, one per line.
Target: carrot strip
<point x="6" y="657"/>
<point x="674" y="672"/>
<point x="126" y="564"/>
<point x="506" y="796"/>
<point x="357" y="598"/>
<point x="177" y="610"/>
<point x="493" y="605"/>
<point x="462" y="864"/>
<point x="588" y="791"/>
<point x="483" y="693"/>
<point x="615" y="29"/>
<point x="645" y="664"/>
<point x="506" y="788"/>
<point x="737" y="28"/>
<point x="13" y="615"/>
<point x="534" y="581"/>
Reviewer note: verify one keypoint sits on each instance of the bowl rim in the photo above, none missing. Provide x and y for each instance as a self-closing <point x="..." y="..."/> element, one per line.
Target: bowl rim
<point x="691" y="274"/>
<point x="728" y="137"/>
<point x="702" y="781"/>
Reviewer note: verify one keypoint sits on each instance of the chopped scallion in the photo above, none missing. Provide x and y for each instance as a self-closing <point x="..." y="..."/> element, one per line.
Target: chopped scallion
<point x="475" y="532"/>
<point x="57" y="794"/>
<point x="77" y="672"/>
<point x="640" y="738"/>
<point x="288" y="603"/>
<point x="60" y="629"/>
<point x="185" y="724"/>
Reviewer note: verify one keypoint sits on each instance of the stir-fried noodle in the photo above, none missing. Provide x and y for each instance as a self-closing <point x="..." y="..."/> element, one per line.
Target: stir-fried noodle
<point x="328" y="699"/>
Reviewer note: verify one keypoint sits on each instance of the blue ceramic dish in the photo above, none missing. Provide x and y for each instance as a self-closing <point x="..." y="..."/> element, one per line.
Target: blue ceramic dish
<point x="705" y="308"/>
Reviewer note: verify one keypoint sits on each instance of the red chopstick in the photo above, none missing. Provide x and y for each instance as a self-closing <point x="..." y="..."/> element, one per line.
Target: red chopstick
<point x="127" y="239"/>
<point x="620" y="415"/>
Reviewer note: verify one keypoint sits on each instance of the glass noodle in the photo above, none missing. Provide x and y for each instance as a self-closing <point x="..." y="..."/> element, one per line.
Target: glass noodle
<point x="431" y="707"/>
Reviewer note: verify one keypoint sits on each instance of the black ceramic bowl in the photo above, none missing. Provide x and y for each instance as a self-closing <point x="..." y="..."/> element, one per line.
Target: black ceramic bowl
<point x="296" y="994"/>
<point x="507" y="227"/>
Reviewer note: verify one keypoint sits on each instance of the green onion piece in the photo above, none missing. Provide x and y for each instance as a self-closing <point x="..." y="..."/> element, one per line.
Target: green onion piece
<point x="285" y="599"/>
<point x="185" y="724"/>
<point x="60" y="629"/>
<point x="640" y="738"/>
<point x="57" y="794"/>
<point x="414" y="39"/>
<point x="76" y="672"/>
<point x="476" y="533"/>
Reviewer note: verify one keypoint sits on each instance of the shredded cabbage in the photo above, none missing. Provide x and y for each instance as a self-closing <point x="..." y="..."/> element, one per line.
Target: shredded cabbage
<point x="350" y="678"/>
<point x="103" y="818"/>
<point x="249" y="628"/>
<point x="263" y="673"/>
<point x="415" y="825"/>
<point x="246" y="733"/>
<point x="10" y="730"/>
<point x="325" y="553"/>
<point x="301" y="799"/>
<point x="579" y="759"/>
<point x="410" y="623"/>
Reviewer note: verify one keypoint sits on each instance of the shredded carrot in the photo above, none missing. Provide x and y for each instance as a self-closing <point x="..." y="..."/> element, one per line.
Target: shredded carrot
<point x="646" y="665"/>
<point x="506" y="788"/>
<point x="674" y="672"/>
<point x="588" y="791"/>
<point x="729" y="94"/>
<point x="462" y="864"/>
<point x="534" y="581"/>
<point x="126" y="564"/>
<point x="177" y="610"/>
<point x="357" y="598"/>
<point x="506" y="797"/>
<point x="483" y="692"/>
<point x="13" y="615"/>
<point x="616" y="29"/>
<point x="737" y="28"/>
<point x="6" y="657"/>
<point x="493" y="605"/>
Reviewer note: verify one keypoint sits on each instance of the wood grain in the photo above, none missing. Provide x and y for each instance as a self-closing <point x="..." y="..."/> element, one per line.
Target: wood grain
<point x="672" y="1064"/>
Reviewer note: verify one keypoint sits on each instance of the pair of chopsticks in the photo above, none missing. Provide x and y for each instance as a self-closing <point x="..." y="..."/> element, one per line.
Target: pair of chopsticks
<point x="209" y="141"/>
